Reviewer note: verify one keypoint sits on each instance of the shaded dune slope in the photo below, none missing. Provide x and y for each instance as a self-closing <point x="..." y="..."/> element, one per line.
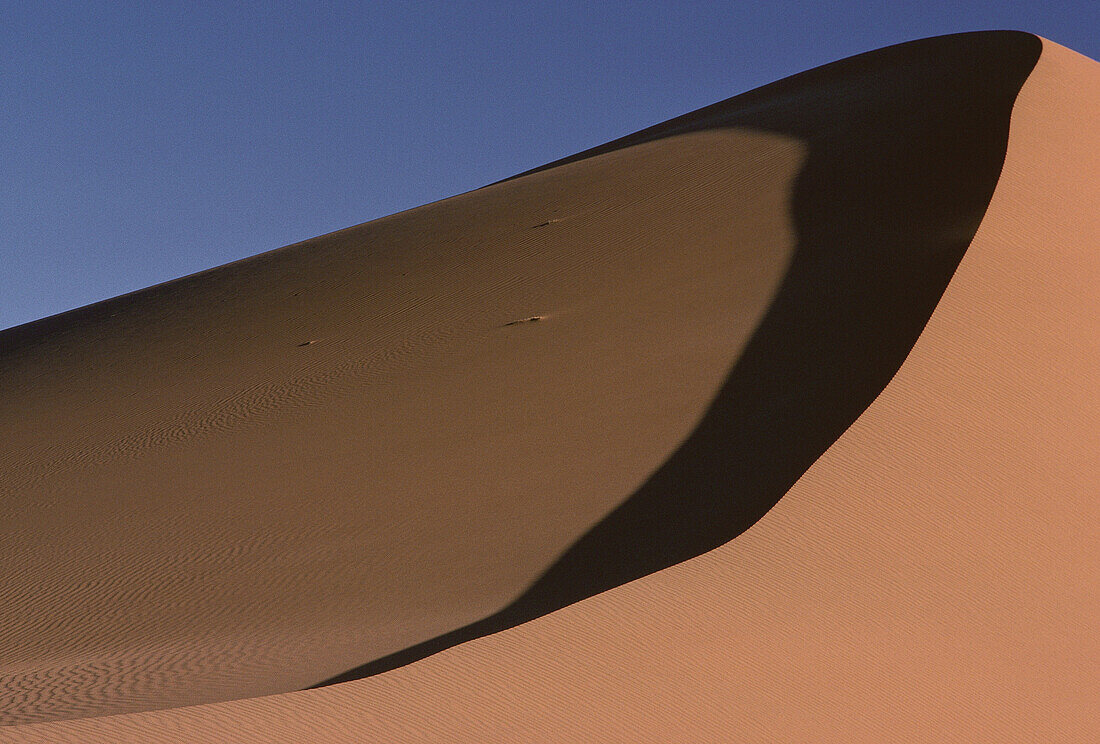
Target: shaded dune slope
<point x="903" y="157"/>
<point x="203" y="509"/>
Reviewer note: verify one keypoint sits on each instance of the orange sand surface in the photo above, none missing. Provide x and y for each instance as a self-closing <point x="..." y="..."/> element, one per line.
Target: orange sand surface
<point x="775" y="422"/>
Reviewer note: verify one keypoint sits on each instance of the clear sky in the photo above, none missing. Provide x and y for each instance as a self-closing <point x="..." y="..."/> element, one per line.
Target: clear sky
<point x="144" y="141"/>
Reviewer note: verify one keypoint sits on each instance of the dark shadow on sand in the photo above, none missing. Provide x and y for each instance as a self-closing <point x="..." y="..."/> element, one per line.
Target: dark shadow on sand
<point x="906" y="145"/>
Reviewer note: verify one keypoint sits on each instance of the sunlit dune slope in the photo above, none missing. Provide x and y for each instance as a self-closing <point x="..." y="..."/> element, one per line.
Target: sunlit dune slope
<point x="773" y="422"/>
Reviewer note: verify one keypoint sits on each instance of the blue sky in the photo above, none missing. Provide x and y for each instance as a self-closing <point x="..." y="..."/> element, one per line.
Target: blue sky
<point x="144" y="141"/>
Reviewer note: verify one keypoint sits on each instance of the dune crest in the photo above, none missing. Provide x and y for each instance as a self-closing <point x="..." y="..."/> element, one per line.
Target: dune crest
<point x="826" y="297"/>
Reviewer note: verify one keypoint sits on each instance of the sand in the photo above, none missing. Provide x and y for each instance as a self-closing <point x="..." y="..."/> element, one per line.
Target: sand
<point x="801" y="445"/>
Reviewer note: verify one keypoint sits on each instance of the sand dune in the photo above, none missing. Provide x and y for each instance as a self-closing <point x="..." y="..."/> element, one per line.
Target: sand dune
<point x="801" y="445"/>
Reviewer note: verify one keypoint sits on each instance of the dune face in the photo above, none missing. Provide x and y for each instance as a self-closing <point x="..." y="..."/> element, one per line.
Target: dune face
<point x="801" y="445"/>
<point x="894" y="185"/>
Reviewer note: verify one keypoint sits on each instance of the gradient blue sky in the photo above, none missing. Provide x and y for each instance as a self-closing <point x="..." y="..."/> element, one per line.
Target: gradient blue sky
<point x="145" y="141"/>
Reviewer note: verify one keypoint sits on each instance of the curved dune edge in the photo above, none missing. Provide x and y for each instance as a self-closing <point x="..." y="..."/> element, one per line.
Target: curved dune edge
<point x="927" y="580"/>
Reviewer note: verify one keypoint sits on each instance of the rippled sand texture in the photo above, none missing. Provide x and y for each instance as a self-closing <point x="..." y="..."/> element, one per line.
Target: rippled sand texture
<point x="802" y="446"/>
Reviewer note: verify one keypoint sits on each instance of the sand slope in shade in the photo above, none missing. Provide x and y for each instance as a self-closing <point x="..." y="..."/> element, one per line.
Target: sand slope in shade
<point x="265" y="515"/>
<point x="930" y="577"/>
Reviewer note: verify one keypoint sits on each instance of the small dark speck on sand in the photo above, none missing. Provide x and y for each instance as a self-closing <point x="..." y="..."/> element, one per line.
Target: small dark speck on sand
<point x="547" y="222"/>
<point x="532" y="319"/>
